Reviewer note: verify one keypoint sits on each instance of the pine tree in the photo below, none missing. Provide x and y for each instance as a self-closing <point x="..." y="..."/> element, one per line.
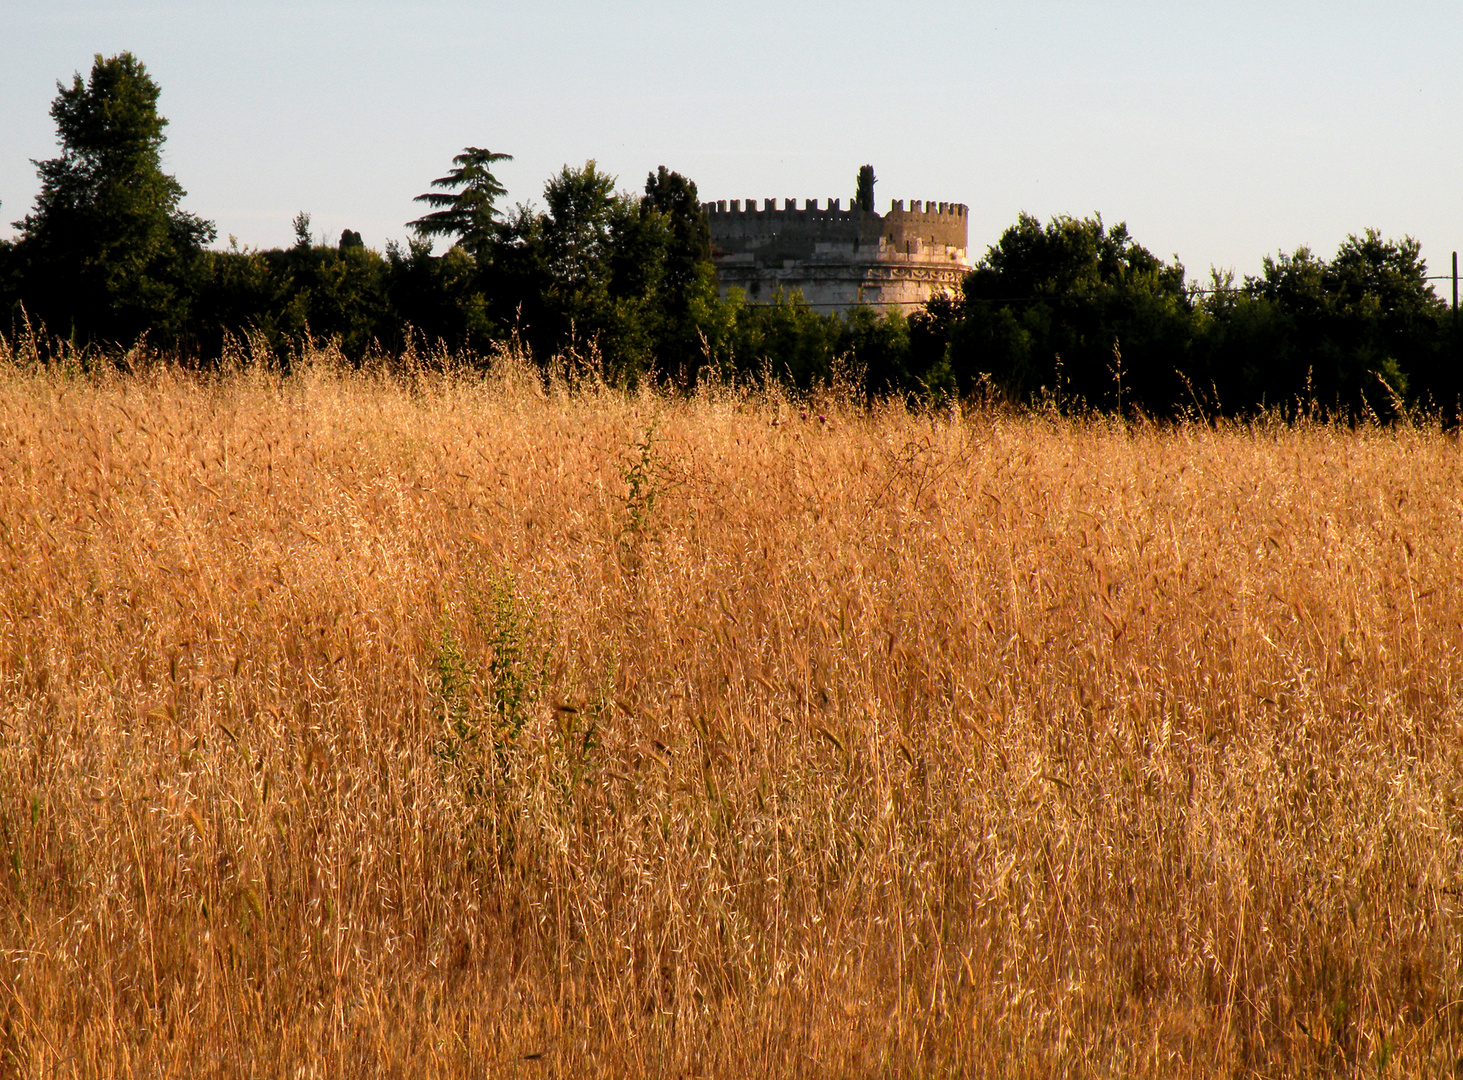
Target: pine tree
<point x="468" y="215"/>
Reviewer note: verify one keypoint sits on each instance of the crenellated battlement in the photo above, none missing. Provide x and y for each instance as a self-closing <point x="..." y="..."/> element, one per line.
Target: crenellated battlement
<point x="837" y="253"/>
<point x="929" y="210"/>
<point x="736" y="224"/>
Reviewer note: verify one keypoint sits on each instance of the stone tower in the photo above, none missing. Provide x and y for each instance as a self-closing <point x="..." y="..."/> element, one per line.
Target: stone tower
<point x="840" y="258"/>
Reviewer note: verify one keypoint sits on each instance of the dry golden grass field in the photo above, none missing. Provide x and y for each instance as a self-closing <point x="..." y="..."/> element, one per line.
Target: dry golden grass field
<point x="428" y="725"/>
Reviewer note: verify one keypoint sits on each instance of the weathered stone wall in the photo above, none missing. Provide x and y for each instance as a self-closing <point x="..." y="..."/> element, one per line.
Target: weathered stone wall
<point x="839" y="258"/>
<point x="946" y="224"/>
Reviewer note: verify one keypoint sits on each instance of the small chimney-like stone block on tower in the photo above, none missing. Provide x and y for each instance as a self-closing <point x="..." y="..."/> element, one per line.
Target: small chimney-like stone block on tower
<point x="840" y="258"/>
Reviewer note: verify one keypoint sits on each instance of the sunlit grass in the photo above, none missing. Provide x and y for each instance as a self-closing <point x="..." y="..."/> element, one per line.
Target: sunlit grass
<point x="435" y="725"/>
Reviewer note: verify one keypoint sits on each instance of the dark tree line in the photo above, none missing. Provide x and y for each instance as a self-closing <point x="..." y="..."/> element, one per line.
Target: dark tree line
<point x="1073" y="311"/>
<point x="1068" y="314"/>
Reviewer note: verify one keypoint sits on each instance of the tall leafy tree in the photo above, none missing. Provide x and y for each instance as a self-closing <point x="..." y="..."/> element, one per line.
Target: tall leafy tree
<point x="577" y="229"/>
<point x="107" y="253"/>
<point x="675" y="197"/>
<point x="688" y="286"/>
<point x="465" y="201"/>
<point x="1076" y="310"/>
<point x="605" y="256"/>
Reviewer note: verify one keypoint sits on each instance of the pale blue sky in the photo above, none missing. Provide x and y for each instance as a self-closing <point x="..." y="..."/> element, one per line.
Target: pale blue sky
<point x="1219" y="132"/>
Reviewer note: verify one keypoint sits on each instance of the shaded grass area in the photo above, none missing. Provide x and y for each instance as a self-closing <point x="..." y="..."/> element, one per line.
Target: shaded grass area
<point x="359" y="724"/>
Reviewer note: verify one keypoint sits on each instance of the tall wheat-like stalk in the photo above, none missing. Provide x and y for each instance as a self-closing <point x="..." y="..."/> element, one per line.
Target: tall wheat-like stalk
<point x="426" y="724"/>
